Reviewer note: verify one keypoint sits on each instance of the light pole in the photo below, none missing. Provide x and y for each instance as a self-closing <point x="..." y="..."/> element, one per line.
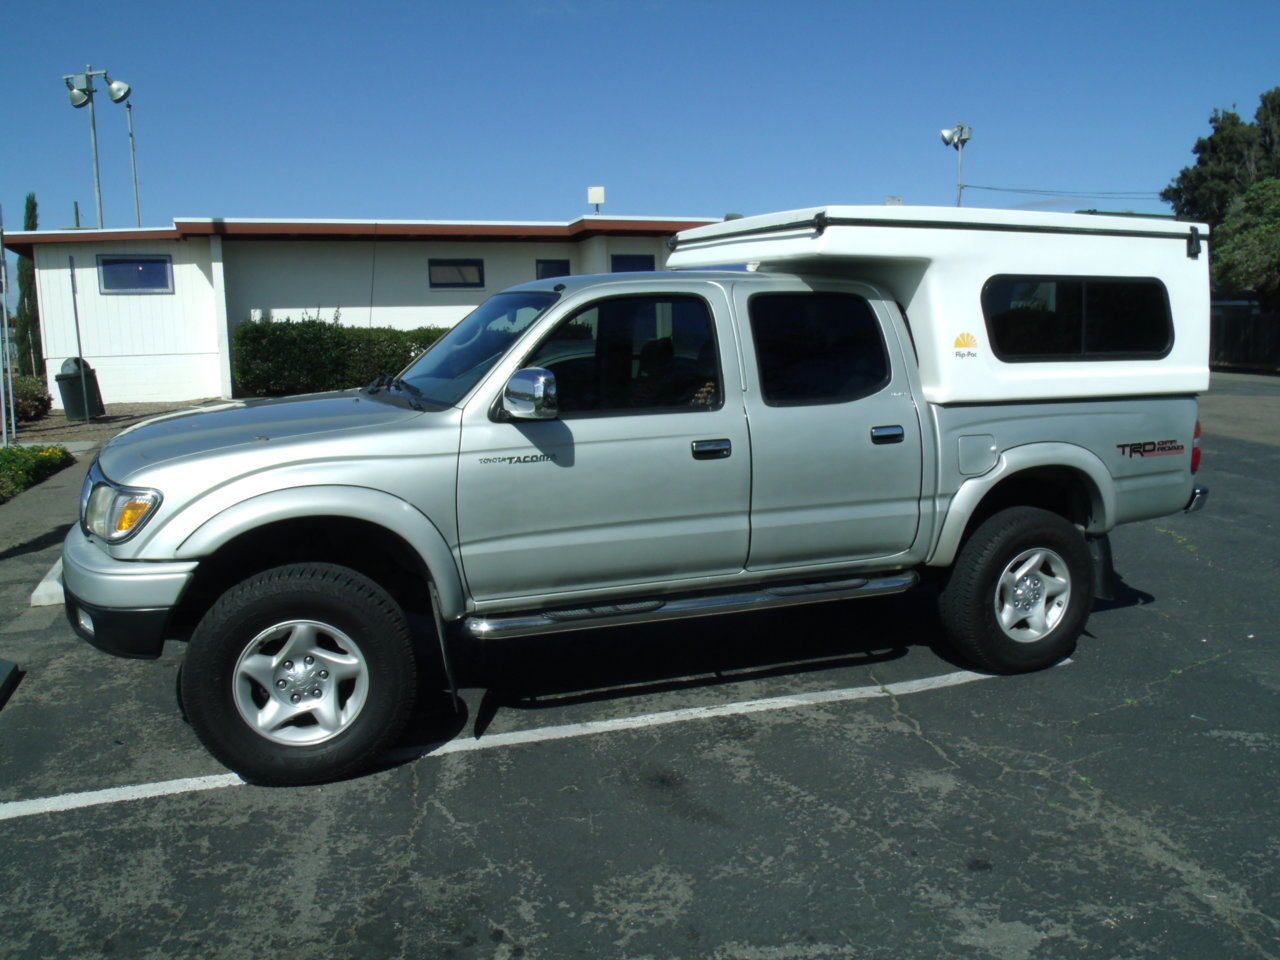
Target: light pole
<point x="957" y="137"/>
<point x="80" y="91"/>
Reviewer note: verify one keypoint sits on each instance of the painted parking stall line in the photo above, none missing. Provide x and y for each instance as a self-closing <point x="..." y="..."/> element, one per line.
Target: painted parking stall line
<point x="15" y="809"/>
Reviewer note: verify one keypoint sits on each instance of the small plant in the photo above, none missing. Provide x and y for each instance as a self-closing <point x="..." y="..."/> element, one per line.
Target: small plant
<point x="31" y="400"/>
<point x="24" y="467"/>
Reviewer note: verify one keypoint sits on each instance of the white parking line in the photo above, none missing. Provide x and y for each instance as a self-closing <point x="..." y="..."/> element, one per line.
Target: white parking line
<point x="14" y="809"/>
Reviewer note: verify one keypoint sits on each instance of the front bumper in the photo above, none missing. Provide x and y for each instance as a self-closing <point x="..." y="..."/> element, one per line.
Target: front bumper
<point x="120" y="606"/>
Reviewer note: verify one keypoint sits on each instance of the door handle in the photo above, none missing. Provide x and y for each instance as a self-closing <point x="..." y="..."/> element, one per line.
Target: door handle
<point x="893" y="434"/>
<point x="711" y="449"/>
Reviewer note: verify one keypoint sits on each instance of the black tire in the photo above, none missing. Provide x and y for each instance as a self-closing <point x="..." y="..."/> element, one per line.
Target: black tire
<point x="300" y="674"/>
<point x="1019" y="592"/>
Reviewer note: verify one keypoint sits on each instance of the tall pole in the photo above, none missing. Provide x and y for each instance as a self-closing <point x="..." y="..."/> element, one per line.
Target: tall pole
<point x="5" y="378"/>
<point x="93" y="142"/>
<point x="133" y="160"/>
<point x="959" y="172"/>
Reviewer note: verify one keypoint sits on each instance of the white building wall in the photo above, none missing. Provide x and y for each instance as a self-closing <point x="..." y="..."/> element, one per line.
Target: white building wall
<point x="381" y="283"/>
<point x="166" y="347"/>
<point x="144" y="348"/>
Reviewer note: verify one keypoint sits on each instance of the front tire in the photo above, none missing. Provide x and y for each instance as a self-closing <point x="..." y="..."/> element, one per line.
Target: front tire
<point x="1019" y="592"/>
<point x="300" y="674"/>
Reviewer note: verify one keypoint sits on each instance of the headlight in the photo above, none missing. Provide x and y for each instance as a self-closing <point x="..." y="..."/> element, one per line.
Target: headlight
<point x="113" y="512"/>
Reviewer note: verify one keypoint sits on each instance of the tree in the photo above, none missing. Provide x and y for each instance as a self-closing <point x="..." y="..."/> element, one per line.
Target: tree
<point x="1246" y="253"/>
<point x="26" y="340"/>
<point x="1229" y="161"/>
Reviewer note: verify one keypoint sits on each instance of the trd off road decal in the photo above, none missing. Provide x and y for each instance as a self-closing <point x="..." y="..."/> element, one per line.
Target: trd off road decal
<point x="1151" y="448"/>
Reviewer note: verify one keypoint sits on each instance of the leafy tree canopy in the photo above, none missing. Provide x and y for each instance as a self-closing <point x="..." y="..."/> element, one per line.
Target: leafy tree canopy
<point x="1234" y="157"/>
<point x="1246" y="254"/>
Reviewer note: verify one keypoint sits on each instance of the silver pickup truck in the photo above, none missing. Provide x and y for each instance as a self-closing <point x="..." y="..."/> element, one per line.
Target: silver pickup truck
<point x="869" y="396"/>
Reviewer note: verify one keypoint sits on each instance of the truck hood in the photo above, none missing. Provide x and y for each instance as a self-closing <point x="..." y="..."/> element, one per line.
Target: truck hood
<point x="267" y="425"/>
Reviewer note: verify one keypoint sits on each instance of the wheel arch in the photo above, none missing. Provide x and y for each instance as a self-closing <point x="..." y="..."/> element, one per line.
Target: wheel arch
<point x="1063" y="478"/>
<point x="380" y="536"/>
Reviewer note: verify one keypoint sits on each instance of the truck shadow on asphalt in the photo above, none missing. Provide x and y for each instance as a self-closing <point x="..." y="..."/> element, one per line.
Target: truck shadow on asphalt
<point x="619" y="663"/>
<point x="613" y="664"/>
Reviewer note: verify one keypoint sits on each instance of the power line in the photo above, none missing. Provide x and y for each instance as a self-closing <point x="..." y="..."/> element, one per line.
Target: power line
<point x="1113" y="194"/>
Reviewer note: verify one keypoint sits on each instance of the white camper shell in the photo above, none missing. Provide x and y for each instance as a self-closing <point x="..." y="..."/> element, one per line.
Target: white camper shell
<point x="1005" y="305"/>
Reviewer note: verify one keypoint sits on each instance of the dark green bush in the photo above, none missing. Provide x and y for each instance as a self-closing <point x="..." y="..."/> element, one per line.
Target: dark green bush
<point x="31" y="400"/>
<point x="23" y="467"/>
<point x="273" y="358"/>
<point x="374" y="350"/>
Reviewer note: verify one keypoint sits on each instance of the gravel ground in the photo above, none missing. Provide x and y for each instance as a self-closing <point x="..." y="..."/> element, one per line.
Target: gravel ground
<point x="57" y="429"/>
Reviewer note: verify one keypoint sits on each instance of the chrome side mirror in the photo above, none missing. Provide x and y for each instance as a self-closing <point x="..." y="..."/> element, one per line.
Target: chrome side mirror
<point x="530" y="394"/>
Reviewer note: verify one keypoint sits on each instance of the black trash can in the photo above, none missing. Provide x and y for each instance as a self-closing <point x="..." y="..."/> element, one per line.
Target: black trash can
<point x="78" y="386"/>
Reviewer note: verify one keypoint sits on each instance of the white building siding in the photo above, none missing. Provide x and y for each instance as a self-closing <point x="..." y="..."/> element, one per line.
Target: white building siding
<point x="175" y="345"/>
<point x="385" y="283"/>
<point x="152" y="347"/>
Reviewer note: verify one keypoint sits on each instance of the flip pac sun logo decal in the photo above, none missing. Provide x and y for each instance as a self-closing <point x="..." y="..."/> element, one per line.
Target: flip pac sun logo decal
<point x="963" y="344"/>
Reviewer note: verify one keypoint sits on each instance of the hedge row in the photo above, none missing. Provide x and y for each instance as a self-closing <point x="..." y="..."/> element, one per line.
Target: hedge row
<point x="275" y="358"/>
<point x="23" y="467"/>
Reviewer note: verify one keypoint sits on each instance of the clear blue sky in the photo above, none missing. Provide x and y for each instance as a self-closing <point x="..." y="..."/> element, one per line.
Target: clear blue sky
<point x="510" y="109"/>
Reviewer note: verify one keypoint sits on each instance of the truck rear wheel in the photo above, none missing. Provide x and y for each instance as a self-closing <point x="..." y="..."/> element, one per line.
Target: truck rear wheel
<point x="300" y="674"/>
<point x="1019" y="592"/>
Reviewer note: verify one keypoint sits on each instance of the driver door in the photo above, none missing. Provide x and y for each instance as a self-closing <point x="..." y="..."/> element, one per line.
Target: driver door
<point x="643" y="479"/>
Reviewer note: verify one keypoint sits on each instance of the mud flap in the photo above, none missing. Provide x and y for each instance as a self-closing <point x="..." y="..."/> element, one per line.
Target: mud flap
<point x="1104" y="574"/>
<point x="444" y="649"/>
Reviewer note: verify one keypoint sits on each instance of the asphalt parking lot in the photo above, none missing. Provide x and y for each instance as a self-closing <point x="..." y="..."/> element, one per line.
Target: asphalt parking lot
<point x="785" y="786"/>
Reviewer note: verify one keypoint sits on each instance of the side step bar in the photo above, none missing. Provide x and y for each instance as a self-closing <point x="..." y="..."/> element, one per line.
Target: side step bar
<point x="683" y="607"/>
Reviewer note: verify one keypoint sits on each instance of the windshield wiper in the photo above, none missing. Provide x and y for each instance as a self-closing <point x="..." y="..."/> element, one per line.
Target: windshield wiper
<point x="384" y="381"/>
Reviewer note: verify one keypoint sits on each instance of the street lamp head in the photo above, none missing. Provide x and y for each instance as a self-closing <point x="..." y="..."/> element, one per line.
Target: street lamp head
<point x="117" y="90"/>
<point x="79" y="89"/>
<point x="957" y="136"/>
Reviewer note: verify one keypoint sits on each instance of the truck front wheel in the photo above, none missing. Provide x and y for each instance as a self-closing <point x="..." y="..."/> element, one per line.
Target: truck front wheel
<point x="300" y="674"/>
<point x="1019" y="592"/>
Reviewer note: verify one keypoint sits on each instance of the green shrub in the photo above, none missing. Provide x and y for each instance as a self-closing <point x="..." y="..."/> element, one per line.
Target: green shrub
<point x="372" y="351"/>
<point x="273" y="358"/>
<point x="23" y="467"/>
<point x="31" y="400"/>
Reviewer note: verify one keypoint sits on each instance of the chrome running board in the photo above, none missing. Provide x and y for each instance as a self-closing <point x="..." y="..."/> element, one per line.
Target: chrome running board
<point x="683" y="607"/>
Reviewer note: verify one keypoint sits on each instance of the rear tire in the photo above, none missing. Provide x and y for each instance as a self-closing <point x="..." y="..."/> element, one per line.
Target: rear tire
<point x="300" y="674"/>
<point x="1019" y="592"/>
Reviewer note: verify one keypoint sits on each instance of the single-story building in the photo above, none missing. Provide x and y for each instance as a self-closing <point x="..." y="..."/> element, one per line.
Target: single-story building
<point x="152" y="309"/>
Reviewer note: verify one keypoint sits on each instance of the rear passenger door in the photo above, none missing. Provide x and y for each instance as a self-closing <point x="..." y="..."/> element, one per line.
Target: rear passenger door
<point x="835" y="435"/>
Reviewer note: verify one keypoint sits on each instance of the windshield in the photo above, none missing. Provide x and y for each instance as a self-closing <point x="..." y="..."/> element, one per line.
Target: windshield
<point x="457" y="361"/>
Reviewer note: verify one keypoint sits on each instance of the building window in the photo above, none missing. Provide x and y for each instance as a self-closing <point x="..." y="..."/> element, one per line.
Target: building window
<point x="816" y="348"/>
<point x="1077" y="318"/>
<point x="631" y="262"/>
<point x="546" y="269"/>
<point x="456" y="273"/>
<point x="151" y="273"/>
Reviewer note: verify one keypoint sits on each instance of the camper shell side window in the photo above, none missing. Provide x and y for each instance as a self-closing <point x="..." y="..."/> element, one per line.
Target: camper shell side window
<point x="1048" y="318"/>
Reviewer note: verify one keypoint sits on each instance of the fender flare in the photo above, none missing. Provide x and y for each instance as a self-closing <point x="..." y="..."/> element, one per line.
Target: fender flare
<point x="357" y="503"/>
<point x="1102" y="494"/>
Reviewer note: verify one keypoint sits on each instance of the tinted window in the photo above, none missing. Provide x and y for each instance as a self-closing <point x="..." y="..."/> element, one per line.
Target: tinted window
<point x="1076" y="318"/>
<point x="456" y="273"/>
<point x="630" y="262"/>
<point x="137" y="274"/>
<point x="816" y="348"/>
<point x="634" y="353"/>
<point x="545" y="269"/>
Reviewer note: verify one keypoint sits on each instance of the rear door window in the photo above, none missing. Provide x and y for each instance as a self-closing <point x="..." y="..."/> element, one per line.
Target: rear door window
<point x="815" y="348"/>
